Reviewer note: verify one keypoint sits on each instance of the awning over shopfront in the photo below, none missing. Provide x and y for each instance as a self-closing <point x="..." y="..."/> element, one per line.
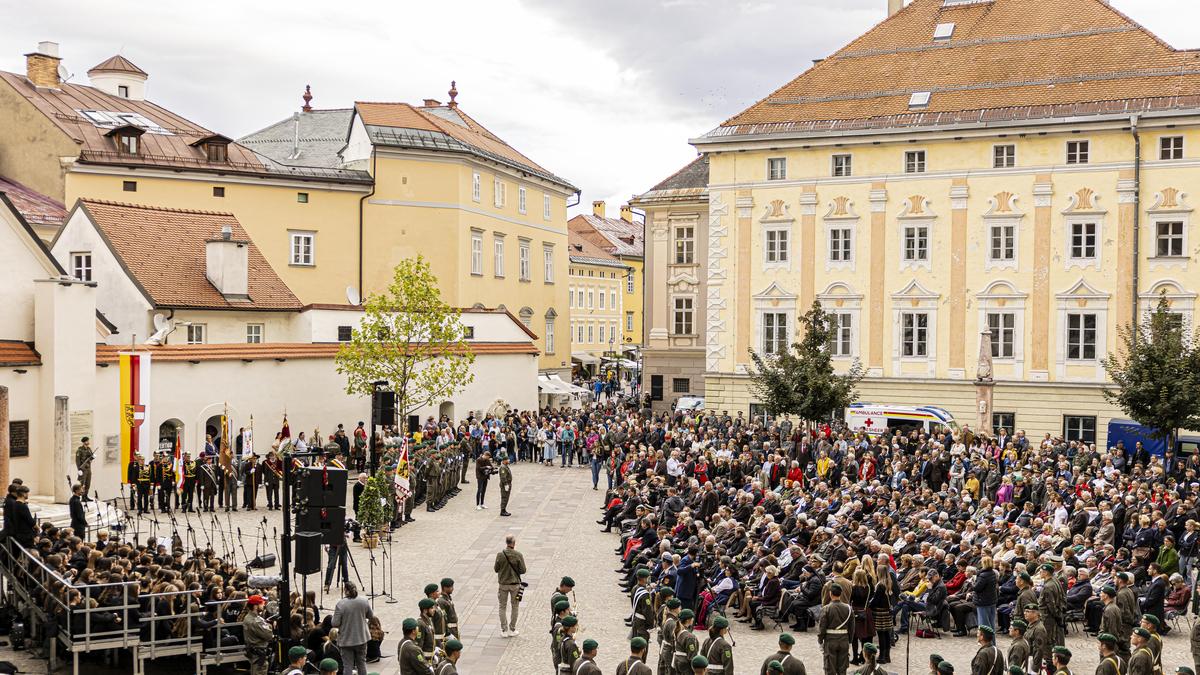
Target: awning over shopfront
<point x="553" y="384"/>
<point x="585" y="358"/>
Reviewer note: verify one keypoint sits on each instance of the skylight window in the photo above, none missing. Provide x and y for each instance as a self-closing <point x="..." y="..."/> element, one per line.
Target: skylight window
<point x="943" y="31"/>
<point x="919" y="99"/>
<point x="954" y="3"/>
<point x="111" y="120"/>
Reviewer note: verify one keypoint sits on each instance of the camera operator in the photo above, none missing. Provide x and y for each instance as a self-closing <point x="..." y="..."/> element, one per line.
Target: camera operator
<point x="483" y="470"/>
<point x="258" y="635"/>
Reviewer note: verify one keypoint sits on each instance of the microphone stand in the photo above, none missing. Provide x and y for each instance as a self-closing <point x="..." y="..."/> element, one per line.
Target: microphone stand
<point x="243" y="547"/>
<point x="388" y="577"/>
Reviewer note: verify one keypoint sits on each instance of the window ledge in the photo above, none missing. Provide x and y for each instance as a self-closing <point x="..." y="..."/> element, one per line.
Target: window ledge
<point x="1169" y="258"/>
<point x="296" y="264"/>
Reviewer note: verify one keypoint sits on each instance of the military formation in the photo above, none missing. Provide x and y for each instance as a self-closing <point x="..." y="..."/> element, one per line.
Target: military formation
<point x="206" y="484"/>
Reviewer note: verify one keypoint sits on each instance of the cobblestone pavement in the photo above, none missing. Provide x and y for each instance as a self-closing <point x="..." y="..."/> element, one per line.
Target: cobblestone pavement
<point x="554" y="512"/>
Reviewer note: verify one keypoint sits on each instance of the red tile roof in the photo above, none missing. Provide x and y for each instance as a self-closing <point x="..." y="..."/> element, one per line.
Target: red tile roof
<point x="106" y="354"/>
<point x="163" y="252"/>
<point x="36" y="208"/>
<point x="14" y="354"/>
<point x="1005" y="56"/>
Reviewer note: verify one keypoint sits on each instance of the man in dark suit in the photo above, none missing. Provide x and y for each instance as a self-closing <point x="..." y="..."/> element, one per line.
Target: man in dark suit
<point x="23" y="523"/>
<point x="78" y="513"/>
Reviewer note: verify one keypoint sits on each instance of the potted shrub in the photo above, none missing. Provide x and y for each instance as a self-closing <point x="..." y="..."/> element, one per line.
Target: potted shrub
<point x="373" y="512"/>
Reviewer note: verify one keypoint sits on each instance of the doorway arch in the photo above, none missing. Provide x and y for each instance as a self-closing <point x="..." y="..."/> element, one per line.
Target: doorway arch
<point x="170" y="435"/>
<point x="446" y="411"/>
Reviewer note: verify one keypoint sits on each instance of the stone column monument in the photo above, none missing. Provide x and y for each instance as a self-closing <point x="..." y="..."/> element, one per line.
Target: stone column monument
<point x="984" y="384"/>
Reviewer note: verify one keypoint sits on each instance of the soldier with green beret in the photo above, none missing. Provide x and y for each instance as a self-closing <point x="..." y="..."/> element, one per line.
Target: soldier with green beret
<point x="1039" y="639"/>
<point x="635" y="663"/>
<point x="1112" y="621"/>
<point x="438" y="619"/>
<point x="449" y="665"/>
<point x="1053" y="603"/>
<point x="945" y="668"/>
<point x="409" y="654"/>
<point x="297" y="660"/>
<point x="667" y="631"/>
<point x="870" y="657"/>
<point x="716" y="648"/>
<point x="1061" y="656"/>
<point x="774" y="667"/>
<point x="562" y="609"/>
<point x="1026" y="595"/>
<point x="425" y="625"/>
<point x="686" y="644"/>
<point x="328" y="667"/>
<point x="1018" y="649"/>
<point x="697" y="666"/>
<point x="1141" y="661"/>
<point x="988" y="658"/>
<point x="1017" y="670"/>
<point x="834" y="629"/>
<point x="568" y="651"/>
<point x="934" y="660"/>
<point x="446" y="604"/>
<point x="790" y="665"/>
<point x="1111" y="662"/>
<point x="1184" y="670"/>
<point x="1128" y="602"/>
<point x="643" y="606"/>
<point x="586" y="663"/>
<point x="565" y="585"/>
<point x="1152" y="624"/>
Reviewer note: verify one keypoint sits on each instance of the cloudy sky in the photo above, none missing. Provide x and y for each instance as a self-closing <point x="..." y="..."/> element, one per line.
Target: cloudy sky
<point x="603" y="92"/>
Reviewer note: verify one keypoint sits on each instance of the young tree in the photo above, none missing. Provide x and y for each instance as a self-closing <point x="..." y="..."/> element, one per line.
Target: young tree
<point x="1157" y="373"/>
<point x="411" y="339"/>
<point x="801" y="380"/>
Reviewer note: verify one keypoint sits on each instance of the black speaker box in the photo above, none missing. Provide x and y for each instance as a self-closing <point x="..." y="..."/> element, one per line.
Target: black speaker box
<point x="317" y="486"/>
<point x="383" y="406"/>
<point x="308" y="552"/>
<point x="328" y="521"/>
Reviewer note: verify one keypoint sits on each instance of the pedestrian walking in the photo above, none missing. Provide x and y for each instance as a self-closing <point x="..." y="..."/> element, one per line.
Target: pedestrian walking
<point x="483" y="471"/>
<point x="509" y="567"/>
<point x="351" y="616"/>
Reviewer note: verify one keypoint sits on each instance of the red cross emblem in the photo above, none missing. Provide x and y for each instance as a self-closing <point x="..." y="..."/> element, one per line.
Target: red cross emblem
<point x="869" y="423"/>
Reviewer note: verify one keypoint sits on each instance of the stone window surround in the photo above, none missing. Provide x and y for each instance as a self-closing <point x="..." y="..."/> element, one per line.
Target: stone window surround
<point x="845" y="303"/>
<point x="1081" y="298"/>
<point x="915" y="298"/>
<point x="1002" y="296"/>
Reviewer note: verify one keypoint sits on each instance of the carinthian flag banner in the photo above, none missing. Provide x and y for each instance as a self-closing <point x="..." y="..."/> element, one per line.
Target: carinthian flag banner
<point x="135" y="398"/>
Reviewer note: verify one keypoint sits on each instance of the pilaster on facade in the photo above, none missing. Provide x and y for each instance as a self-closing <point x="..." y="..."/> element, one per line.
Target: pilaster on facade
<point x="716" y="309"/>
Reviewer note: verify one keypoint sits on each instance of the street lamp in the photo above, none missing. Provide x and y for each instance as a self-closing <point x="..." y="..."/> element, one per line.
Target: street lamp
<point x="612" y="350"/>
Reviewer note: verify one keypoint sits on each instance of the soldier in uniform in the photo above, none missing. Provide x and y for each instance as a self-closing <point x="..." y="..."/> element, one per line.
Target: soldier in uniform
<point x="425" y="625"/>
<point x="257" y="635"/>
<point x="698" y="666"/>
<point x="1111" y="663"/>
<point x="568" y="651"/>
<point x="1112" y="622"/>
<point x="1053" y="604"/>
<point x="187" y="498"/>
<point x="1151" y="624"/>
<point x="870" y="667"/>
<point x="643" y="606"/>
<point x="131" y="476"/>
<point x="446" y="604"/>
<point x="1141" y="661"/>
<point x="143" y="488"/>
<point x="789" y="665"/>
<point x="988" y="659"/>
<point x="83" y="461"/>
<point x="716" y="648"/>
<point x="634" y="664"/>
<point x="450" y="665"/>
<point x="1062" y="656"/>
<point x="272" y="475"/>
<point x="166" y="487"/>
<point x="409" y="655"/>
<point x="668" y="627"/>
<point x="157" y="465"/>
<point x="1039" y="641"/>
<point x="586" y="663"/>
<point x="565" y="585"/>
<point x="1128" y="602"/>
<point x="505" y="486"/>
<point x="833" y="632"/>
<point x="935" y="660"/>
<point x="945" y="668"/>
<point x="433" y="488"/>
<point x="438" y="618"/>
<point x="208" y="483"/>
<point x="229" y="477"/>
<point x="1018" y="649"/>
<point x="250" y="480"/>
<point x="562" y="610"/>
<point x="1025" y="596"/>
<point x="686" y="644"/>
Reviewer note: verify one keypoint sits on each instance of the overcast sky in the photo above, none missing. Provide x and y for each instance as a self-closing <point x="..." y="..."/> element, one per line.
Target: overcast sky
<point x="603" y="92"/>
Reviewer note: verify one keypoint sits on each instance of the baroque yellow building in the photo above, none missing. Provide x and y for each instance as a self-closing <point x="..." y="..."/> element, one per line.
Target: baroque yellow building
<point x="622" y="237"/>
<point x="1015" y="166"/>
<point x="597" y="283"/>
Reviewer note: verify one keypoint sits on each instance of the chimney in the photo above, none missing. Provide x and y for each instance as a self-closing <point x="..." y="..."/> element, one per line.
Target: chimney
<point x="41" y="66"/>
<point x="227" y="263"/>
<point x="598" y="209"/>
<point x="895" y="6"/>
<point x="627" y="213"/>
<point x="432" y="103"/>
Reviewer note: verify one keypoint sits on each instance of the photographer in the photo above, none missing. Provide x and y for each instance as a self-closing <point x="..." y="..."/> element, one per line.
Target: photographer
<point x="483" y="470"/>
<point x="259" y="635"/>
<point x="509" y="567"/>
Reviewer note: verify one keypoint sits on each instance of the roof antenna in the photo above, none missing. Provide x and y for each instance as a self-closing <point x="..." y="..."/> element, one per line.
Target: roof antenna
<point x="453" y="92"/>
<point x="307" y="99"/>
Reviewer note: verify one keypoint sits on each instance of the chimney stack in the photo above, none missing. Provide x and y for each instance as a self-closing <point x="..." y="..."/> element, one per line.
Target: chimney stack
<point x="598" y="209"/>
<point x="627" y="213"/>
<point x="432" y="103"/>
<point x="895" y="6"/>
<point x="41" y="66"/>
<point x="227" y="265"/>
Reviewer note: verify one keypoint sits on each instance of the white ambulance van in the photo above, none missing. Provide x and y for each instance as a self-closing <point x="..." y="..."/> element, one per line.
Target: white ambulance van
<point x="874" y="418"/>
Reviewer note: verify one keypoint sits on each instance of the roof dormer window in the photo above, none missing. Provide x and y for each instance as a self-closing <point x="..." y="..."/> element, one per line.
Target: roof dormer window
<point x="215" y="147"/>
<point x="919" y="100"/>
<point x="943" y="32"/>
<point x="128" y="139"/>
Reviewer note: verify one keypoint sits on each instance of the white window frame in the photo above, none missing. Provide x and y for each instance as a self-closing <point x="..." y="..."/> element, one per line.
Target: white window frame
<point x="629" y="283"/>
<point x="500" y="192"/>
<point x="1002" y="336"/>
<point x="1157" y="222"/>
<point x="1001" y="297"/>
<point x="920" y="340"/>
<point x="580" y="333"/>
<point x="81" y="265"/>
<point x="774" y="331"/>
<point x="521" y="200"/>
<point x="678" y="310"/>
<point x="197" y="334"/>
<point x="777" y="246"/>
<point x="296" y="256"/>
<point x="476" y="253"/>
<point x="847" y="165"/>
<point x="603" y="333"/>
<point x="843" y="329"/>
<point x="916" y="160"/>
<point x="628" y="321"/>
<point x="998" y="226"/>
<point x="591" y="332"/>
<point x="591" y="298"/>
<point x="547" y="263"/>
<point x="498" y="255"/>
<point x="1167" y="145"/>
<point x="915" y="299"/>
<point x="1084" y="261"/>
<point x="549" y="335"/>
<point x="603" y="302"/>
<point x="475" y="186"/>
<point x="916" y="227"/>
<point x="996" y="157"/>
<point x="1082" y="316"/>
<point x="843" y="253"/>
<point x="776" y="168"/>
<point x="839" y="299"/>
<point x="256" y="333"/>
<point x="545" y="207"/>
<point x="524" y="264"/>
<point x="1082" y="299"/>
<point x="1078" y="151"/>
<point x="684" y="245"/>
<point x="612" y="299"/>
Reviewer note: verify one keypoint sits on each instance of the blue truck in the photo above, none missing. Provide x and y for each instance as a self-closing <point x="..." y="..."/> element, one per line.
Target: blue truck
<point x="1131" y="432"/>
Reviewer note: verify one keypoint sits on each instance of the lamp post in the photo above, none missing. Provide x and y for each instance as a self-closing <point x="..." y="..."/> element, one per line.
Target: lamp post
<point x="617" y="357"/>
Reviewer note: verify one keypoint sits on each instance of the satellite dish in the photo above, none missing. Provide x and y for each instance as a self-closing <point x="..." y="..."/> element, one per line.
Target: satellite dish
<point x="352" y="296"/>
<point x="164" y="326"/>
<point x="63" y="73"/>
<point x="160" y="321"/>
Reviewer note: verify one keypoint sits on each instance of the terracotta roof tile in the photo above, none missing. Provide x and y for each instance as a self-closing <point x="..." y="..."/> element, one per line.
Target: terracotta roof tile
<point x="107" y="354"/>
<point x="116" y="64"/>
<point x="1003" y="54"/>
<point x="14" y="353"/>
<point x="620" y="236"/>
<point x="35" y="207"/>
<point x="141" y="236"/>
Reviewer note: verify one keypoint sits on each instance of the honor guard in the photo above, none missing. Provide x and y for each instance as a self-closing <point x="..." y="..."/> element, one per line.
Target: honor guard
<point x="562" y="609"/>
<point x="157" y="465"/>
<point x="449" y="665"/>
<point x="566" y="585"/>
<point x="686" y="644"/>
<point x="83" y="462"/>
<point x="446" y="604"/>
<point x="586" y="663"/>
<point x="1141" y="662"/>
<point x="426" y="639"/>
<point x="189" y="483"/>
<point x="716" y="649"/>
<point x="438" y="617"/>
<point x="166" y="487"/>
<point x="668" y="628"/>
<point x="409" y="655"/>
<point x="1151" y="624"/>
<point x="251" y="477"/>
<point x="870" y="667"/>
<point x="643" y="606"/>
<point x="143" y="488"/>
<point x="789" y="665"/>
<point x="1039" y="641"/>
<point x="1111" y="663"/>
<point x="1112" y="622"/>
<point x="833" y="632"/>
<point x="568" y="651"/>
<point x="1018" y="649"/>
<point x="698" y="666"/>
<point x="272" y="475"/>
<point x="208" y="482"/>
<point x="433" y="488"/>
<point x="988" y="659"/>
<point x="635" y="664"/>
<point x="1053" y="603"/>
<point x="1060" y="659"/>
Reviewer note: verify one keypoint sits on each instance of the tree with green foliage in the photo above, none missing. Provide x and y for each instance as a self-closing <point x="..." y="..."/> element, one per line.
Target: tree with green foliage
<point x="410" y="338"/>
<point x="373" y="511"/>
<point x="801" y="379"/>
<point x="1157" y="373"/>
